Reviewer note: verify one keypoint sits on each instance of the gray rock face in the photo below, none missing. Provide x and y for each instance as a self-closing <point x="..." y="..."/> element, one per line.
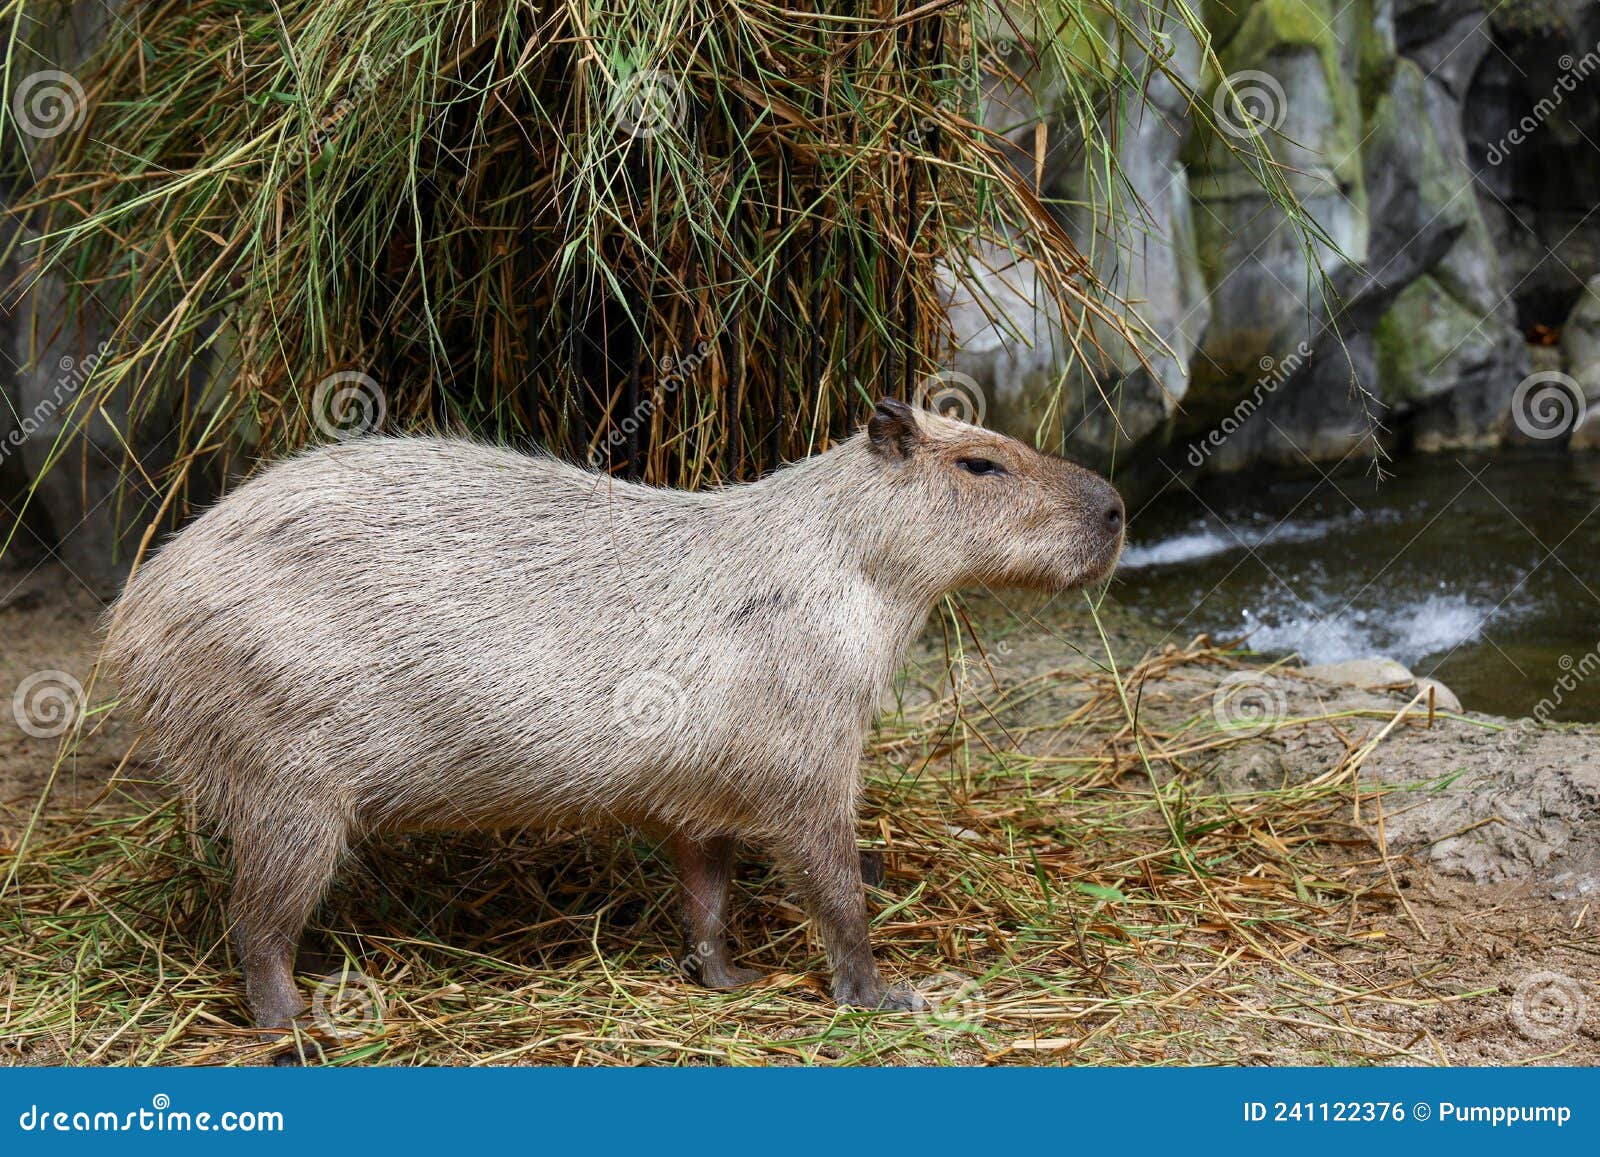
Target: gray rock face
<point x="1141" y="236"/>
<point x="89" y="505"/>
<point x="1382" y="116"/>
<point x="1580" y="341"/>
<point x="1530" y="116"/>
<point x="1147" y="259"/>
<point x="1523" y="809"/>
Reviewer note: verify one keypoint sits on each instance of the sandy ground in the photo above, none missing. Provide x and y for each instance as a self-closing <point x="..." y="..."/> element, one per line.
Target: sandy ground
<point x="1494" y="848"/>
<point x="48" y="633"/>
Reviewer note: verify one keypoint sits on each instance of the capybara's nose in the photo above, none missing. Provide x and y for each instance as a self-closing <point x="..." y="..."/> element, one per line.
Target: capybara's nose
<point x="1114" y="513"/>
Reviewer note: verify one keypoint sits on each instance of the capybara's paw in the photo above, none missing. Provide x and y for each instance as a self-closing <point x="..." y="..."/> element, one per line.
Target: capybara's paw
<point x="876" y="994"/>
<point x="727" y="976"/>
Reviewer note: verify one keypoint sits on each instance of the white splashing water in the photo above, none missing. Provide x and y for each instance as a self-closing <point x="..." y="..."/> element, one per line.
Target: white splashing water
<point x="1409" y="626"/>
<point x="1207" y="542"/>
<point x="1406" y="632"/>
<point x="1183" y="548"/>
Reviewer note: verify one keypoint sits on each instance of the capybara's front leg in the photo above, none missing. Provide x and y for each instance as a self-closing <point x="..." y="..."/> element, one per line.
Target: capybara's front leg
<point x="704" y="868"/>
<point x="824" y="865"/>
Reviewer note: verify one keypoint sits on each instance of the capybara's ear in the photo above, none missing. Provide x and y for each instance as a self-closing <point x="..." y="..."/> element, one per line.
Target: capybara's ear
<point x="894" y="429"/>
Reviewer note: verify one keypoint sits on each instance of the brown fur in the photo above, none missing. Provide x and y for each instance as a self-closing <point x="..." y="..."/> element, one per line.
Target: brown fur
<point x="412" y="633"/>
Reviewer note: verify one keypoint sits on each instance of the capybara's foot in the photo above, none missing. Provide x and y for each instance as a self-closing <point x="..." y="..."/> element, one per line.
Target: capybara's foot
<point x="722" y="975"/>
<point x="872" y="869"/>
<point x="298" y="1047"/>
<point x="874" y="993"/>
<point x="302" y="1051"/>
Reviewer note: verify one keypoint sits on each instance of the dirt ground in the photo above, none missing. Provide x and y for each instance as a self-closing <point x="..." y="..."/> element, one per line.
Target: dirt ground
<point x="48" y="625"/>
<point x="1488" y="828"/>
<point x="1487" y="939"/>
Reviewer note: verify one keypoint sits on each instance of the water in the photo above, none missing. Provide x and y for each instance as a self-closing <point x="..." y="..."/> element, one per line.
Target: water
<point x="1483" y="571"/>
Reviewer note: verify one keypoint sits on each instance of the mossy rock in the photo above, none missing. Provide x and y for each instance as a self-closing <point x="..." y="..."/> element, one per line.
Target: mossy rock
<point x="1400" y="127"/>
<point x="1280" y="31"/>
<point x="1424" y="339"/>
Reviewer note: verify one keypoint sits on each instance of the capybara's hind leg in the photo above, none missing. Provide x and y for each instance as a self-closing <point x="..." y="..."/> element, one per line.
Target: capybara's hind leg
<point x="872" y="870"/>
<point x="705" y="867"/>
<point x="279" y="877"/>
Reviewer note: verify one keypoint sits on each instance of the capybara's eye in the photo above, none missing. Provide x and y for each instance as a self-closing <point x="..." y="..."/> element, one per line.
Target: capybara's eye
<point x="980" y="466"/>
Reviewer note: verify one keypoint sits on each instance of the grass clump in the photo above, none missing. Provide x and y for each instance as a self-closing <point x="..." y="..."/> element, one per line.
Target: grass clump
<point x="679" y="239"/>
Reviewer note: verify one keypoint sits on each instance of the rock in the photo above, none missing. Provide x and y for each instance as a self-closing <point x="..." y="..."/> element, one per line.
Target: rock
<point x="1580" y="341"/>
<point x="1447" y="342"/>
<point x="1302" y="63"/>
<point x="1422" y="341"/>
<point x="1007" y="336"/>
<point x="1580" y="360"/>
<point x="1529" y="818"/>
<point x="77" y="506"/>
<point x="1007" y="339"/>
<point x="1368" y="673"/>
<point x="1324" y="411"/>
<point x="1378" y="673"/>
<point x="1587" y="434"/>
<point x="1444" y="699"/>
<point x="1249" y="768"/>
<point x="1148" y="262"/>
<point x="1447" y="38"/>
<point x="1529" y="113"/>
<point x="1423" y="335"/>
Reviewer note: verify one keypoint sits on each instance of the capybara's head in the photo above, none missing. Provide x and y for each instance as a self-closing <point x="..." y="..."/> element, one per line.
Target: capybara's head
<point x="1004" y="514"/>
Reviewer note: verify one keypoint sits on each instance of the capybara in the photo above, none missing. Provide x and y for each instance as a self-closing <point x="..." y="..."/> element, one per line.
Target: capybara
<point x="394" y="634"/>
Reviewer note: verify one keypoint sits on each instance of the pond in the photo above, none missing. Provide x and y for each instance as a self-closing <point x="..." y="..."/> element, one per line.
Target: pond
<point x="1480" y="570"/>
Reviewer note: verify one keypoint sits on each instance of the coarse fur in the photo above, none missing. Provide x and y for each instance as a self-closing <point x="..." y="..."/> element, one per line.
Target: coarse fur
<point x="396" y="634"/>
